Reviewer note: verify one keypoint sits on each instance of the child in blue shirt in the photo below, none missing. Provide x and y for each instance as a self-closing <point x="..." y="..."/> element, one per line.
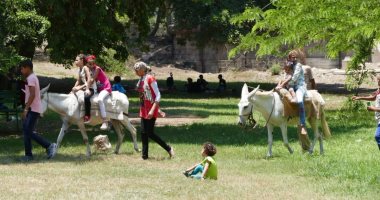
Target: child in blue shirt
<point x="117" y="85"/>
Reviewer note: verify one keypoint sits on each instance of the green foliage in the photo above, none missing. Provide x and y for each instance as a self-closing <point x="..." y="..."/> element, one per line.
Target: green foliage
<point x="275" y="69"/>
<point x="108" y="62"/>
<point x="335" y="26"/>
<point x="22" y="29"/>
<point x="207" y="21"/>
<point x="82" y="26"/>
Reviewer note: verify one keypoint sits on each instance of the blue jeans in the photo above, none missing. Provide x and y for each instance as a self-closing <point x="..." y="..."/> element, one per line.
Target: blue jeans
<point x="197" y="172"/>
<point x="29" y="133"/>
<point x="300" y="94"/>
<point x="377" y="135"/>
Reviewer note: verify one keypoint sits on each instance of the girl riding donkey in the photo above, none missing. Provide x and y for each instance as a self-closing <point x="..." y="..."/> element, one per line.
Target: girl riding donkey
<point x="84" y="83"/>
<point x="103" y="86"/>
<point x="299" y="87"/>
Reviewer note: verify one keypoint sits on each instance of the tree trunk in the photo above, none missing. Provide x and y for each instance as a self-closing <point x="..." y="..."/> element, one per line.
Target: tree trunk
<point x="159" y="16"/>
<point x="27" y="49"/>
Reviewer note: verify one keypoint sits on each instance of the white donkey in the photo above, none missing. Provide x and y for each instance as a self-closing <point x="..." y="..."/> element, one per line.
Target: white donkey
<point x="270" y="105"/>
<point x="69" y="108"/>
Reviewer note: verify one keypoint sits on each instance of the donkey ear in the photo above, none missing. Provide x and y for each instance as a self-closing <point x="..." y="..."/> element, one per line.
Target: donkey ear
<point x="45" y="89"/>
<point x="244" y="90"/>
<point x="253" y="92"/>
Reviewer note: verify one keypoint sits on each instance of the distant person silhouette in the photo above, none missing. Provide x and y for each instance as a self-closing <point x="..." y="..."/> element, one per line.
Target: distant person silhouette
<point x="170" y="82"/>
<point x="222" y="84"/>
<point x="202" y="83"/>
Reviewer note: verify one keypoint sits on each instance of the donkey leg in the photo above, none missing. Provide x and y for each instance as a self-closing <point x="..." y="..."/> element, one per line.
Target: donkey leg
<point x="65" y="126"/>
<point x="313" y="123"/>
<point x="85" y="138"/>
<point x="321" y="149"/>
<point x="284" y="132"/>
<point x="270" y="140"/>
<point x="120" y="134"/>
<point x="127" y="123"/>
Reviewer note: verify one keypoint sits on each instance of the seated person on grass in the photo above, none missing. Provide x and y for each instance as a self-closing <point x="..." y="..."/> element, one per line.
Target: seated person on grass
<point x="207" y="169"/>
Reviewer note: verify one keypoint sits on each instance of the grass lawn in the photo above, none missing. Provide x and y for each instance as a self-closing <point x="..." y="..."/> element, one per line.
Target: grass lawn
<point x="348" y="170"/>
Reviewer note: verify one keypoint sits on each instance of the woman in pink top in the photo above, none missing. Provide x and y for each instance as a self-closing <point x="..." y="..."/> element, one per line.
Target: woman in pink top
<point x="149" y="97"/>
<point x="103" y="86"/>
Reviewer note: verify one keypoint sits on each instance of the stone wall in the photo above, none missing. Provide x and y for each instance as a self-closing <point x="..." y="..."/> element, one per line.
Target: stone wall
<point x="215" y="58"/>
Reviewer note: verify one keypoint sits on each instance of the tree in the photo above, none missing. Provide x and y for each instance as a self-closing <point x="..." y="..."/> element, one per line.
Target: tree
<point x="209" y="20"/>
<point x="22" y="29"/>
<point x="336" y="26"/>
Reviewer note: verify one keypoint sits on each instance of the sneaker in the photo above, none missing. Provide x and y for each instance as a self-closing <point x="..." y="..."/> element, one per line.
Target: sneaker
<point x="303" y="131"/>
<point x="86" y="119"/>
<point x="171" y="152"/>
<point x="104" y="126"/>
<point x="187" y="174"/>
<point x="51" y="150"/>
<point x="27" y="158"/>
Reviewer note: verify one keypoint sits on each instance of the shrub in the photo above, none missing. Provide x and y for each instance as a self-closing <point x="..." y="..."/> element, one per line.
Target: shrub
<point x="109" y="63"/>
<point x="275" y="69"/>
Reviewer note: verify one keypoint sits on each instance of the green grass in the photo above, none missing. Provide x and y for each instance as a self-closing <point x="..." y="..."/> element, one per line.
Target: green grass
<point x="348" y="170"/>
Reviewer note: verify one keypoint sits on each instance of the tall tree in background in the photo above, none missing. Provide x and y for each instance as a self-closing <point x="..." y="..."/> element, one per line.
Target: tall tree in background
<point x="208" y="21"/>
<point x="21" y="30"/>
<point x="337" y="26"/>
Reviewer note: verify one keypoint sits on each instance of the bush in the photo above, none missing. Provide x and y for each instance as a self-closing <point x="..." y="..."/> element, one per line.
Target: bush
<point x="109" y="63"/>
<point x="275" y="69"/>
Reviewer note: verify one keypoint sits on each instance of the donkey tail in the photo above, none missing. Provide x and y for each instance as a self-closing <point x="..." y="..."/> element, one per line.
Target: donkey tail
<point x="325" y="126"/>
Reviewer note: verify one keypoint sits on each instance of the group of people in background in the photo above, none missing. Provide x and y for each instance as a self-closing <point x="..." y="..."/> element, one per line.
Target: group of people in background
<point x="202" y="85"/>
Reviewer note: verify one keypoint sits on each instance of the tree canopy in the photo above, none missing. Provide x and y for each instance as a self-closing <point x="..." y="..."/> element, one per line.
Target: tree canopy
<point x="22" y="29"/>
<point x="335" y="26"/>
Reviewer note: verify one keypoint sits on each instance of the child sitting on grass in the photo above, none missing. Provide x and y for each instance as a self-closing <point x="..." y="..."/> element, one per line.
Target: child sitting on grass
<point x="207" y="169"/>
<point x="375" y="96"/>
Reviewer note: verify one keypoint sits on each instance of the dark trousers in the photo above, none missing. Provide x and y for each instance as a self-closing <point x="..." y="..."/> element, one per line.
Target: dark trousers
<point x="87" y="102"/>
<point x="29" y="133"/>
<point x="147" y="126"/>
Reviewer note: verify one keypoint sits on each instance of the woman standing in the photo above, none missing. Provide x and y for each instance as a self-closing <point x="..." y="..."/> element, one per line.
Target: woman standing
<point x="103" y="86"/>
<point x="149" y="105"/>
<point x="83" y="83"/>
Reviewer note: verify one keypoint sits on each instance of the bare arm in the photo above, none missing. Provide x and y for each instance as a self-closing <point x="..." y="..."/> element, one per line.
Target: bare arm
<point x="193" y="167"/>
<point x="373" y="108"/>
<point x="366" y="98"/>
<point x="285" y="82"/>
<point x="207" y="164"/>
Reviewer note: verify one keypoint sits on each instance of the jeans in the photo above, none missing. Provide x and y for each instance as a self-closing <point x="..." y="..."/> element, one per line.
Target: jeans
<point x="300" y="94"/>
<point x="87" y="102"/>
<point x="147" y="126"/>
<point x="377" y="135"/>
<point x="197" y="172"/>
<point x="29" y="133"/>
